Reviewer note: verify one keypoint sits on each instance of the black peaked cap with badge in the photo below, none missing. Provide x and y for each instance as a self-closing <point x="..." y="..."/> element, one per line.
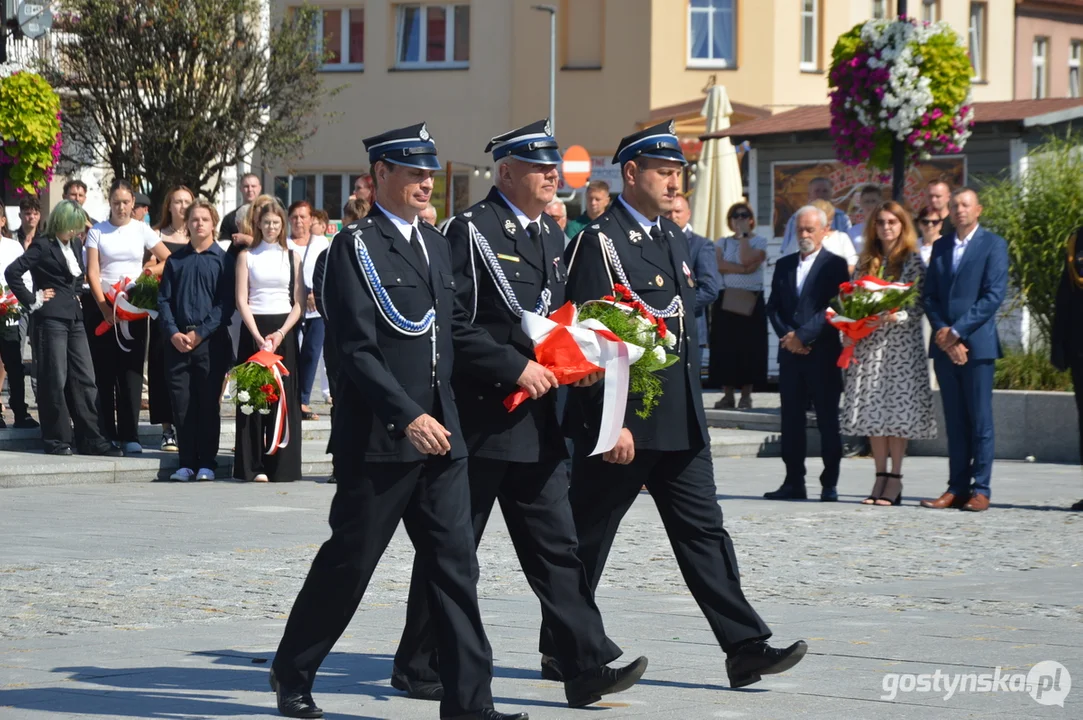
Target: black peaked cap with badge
<point x="657" y="272"/>
<point x="411" y="146"/>
<point x="487" y="372"/>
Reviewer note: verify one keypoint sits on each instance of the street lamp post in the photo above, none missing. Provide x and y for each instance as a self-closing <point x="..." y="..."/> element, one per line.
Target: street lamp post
<point x="552" y="62"/>
<point x="898" y="148"/>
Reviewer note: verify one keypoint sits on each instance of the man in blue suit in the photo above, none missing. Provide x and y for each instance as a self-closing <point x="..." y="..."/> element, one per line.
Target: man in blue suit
<point x="804" y="284"/>
<point x="964" y="287"/>
<point x="704" y="267"/>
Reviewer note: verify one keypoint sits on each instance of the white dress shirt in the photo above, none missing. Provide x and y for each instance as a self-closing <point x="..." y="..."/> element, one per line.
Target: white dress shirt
<point x="407" y="229"/>
<point x="804" y="265"/>
<point x="519" y="214"/>
<point x="640" y="218"/>
<point x="960" y="248"/>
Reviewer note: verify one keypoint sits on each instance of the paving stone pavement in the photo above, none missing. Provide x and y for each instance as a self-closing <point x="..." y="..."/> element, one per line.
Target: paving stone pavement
<point x="167" y="600"/>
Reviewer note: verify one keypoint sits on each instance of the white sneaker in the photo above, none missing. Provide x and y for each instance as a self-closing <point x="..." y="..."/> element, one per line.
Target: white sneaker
<point x="132" y="448"/>
<point x="205" y="474"/>
<point x="182" y="475"/>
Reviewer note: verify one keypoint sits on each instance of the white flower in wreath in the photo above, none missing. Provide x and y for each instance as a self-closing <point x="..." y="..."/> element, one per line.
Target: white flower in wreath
<point x="659" y="353"/>
<point x="243" y="396"/>
<point x="670" y="340"/>
<point x="247" y="409"/>
<point x="264" y="411"/>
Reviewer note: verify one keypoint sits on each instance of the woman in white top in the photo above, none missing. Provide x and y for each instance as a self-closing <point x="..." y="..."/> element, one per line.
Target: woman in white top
<point x="270" y="295"/>
<point x="836" y="241"/>
<point x="738" y="319"/>
<point x="114" y="251"/>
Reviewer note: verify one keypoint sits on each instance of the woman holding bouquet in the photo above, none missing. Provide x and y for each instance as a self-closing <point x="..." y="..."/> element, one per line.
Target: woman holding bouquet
<point x="888" y="398"/>
<point x="114" y="252"/>
<point x="270" y="297"/>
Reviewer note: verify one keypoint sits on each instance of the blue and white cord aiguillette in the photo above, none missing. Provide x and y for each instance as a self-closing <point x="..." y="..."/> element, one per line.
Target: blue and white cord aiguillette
<point x="387" y="309"/>
<point x="675" y="307"/>
<point x="500" y="280"/>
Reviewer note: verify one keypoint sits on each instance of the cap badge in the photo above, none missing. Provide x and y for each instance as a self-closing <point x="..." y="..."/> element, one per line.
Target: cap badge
<point x="672" y="128"/>
<point x="509" y="226"/>
<point x="548" y="127"/>
<point x="424" y="134"/>
<point x="635" y="236"/>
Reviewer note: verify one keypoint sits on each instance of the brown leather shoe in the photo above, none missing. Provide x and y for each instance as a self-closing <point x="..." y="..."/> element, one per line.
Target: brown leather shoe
<point x="977" y="503"/>
<point x="948" y="499"/>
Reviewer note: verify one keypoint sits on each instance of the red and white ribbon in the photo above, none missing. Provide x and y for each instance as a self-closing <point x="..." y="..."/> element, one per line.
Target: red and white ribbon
<point x="123" y="312"/>
<point x="280" y="437"/>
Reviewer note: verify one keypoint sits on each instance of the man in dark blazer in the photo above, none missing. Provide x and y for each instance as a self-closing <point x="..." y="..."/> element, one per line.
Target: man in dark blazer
<point x="399" y="453"/>
<point x="1066" y="343"/>
<point x="704" y="266"/>
<point x="68" y="395"/>
<point x="508" y="259"/>
<point x="669" y="452"/>
<point x="964" y="288"/>
<point x="803" y="286"/>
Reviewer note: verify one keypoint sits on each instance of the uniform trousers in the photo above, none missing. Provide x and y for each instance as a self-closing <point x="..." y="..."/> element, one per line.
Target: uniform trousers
<point x="682" y="485"/>
<point x="195" y="386"/>
<point x="119" y="375"/>
<point x="432" y="498"/>
<point x="534" y="500"/>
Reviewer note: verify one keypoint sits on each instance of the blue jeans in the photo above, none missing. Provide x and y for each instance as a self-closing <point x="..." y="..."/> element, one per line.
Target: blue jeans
<point x="310" y="356"/>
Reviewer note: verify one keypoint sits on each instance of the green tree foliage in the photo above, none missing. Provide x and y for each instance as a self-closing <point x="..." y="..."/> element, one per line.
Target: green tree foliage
<point x="168" y="92"/>
<point x="1035" y="214"/>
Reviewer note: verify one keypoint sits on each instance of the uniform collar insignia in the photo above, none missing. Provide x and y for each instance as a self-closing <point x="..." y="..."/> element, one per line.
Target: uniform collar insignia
<point x="595" y="226"/>
<point x="468" y="214"/>
<point x="635" y="236"/>
<point x="509" y="226"/>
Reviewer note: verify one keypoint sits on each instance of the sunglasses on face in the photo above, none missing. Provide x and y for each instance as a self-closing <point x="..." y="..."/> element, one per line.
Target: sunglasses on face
<point x="741" y="216"/>
<point x="929" y="223"/>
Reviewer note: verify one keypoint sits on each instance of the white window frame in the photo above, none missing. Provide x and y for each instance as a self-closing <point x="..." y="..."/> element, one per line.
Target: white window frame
<point x="1075" y="54"/>
<point x="1039" y="61"/>
<point x="881" y="10"/>
<point x="813" y="15"/>
<point x="930" y="10"/>
<point x="344" y="33"/>
<point x="976" y="38"/>
<point x="449" y="37"/>
<point x="708" y="13"/>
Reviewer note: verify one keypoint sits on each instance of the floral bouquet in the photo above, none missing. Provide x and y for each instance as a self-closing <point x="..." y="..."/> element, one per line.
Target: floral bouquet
<point x="621" y="338"/>
<point x="861" y="306"/>
<point x="9" y="305"/>
<point x="131" y="301"/>
<point x="259" y="389"/>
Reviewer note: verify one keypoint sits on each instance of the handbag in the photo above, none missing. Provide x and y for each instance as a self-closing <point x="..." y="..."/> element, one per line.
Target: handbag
<point x="739" y="302"/>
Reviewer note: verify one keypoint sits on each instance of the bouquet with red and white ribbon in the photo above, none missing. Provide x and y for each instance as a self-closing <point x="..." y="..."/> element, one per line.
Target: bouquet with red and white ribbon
<point x="621" y="338"/>
<point x="131" y="300"/>
<point x="861" y="306"/>
<point x="9" y="305"/>
<point x="260" y="390"/>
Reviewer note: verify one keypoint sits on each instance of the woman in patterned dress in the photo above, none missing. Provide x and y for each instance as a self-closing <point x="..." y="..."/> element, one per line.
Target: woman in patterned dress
<point x="888" y="398"/>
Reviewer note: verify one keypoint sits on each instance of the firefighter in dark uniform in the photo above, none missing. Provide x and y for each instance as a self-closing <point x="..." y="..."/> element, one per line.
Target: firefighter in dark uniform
<point x="669" y="452"/>
<point x="398" y="451"/>
<point x="508" y="259"/>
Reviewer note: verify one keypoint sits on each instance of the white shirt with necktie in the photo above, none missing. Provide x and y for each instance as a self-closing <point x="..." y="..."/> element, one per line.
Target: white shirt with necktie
<point x="521" y="216"/>
<point x="406" y="229"/>
<point x="640" y="218"/>
<point x="804" y="266"/>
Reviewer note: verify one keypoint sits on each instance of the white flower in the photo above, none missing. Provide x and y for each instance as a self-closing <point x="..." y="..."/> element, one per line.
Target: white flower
<point x="247" y="409"/>
<point x="670" y="340"/>
<point x="243" y="396"/>
<point x="264" y="411"/>
<point x="659" y="353"/>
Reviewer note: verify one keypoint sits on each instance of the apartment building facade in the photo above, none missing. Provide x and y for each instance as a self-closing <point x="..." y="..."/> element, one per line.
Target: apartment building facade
<point x="1049" y="49"/>
<point x="475" y="68"/>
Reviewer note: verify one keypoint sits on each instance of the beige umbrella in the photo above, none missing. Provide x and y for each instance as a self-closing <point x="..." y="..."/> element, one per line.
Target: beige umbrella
<point x="718" y="175"/>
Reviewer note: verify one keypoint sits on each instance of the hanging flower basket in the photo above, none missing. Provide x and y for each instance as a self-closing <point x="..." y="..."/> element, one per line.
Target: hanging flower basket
<point x="899" y="79"/>
<point x="29" y="132"/>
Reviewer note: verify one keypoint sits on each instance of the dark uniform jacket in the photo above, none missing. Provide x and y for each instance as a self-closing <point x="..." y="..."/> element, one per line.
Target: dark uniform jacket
<point x="488" y="364"/>
<point x="386" y="377"/>
<point x="677" y="423"/>
<point x="49" y="269"/>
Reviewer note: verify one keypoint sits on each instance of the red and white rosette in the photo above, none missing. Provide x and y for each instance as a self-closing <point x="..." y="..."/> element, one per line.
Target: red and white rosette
<point x="123" y="312"/>
<point x="280" y="437"/>
<point x="573" y="349"/>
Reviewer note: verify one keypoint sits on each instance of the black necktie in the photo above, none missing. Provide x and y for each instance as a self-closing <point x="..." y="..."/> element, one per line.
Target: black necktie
<point x="658" y="237"/>
<point x="533" y="231"/>
<point x="415" y="243"/>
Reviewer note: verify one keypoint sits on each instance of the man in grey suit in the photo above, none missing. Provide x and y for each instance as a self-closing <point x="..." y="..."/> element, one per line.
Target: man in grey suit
<point x="704" y="267"/>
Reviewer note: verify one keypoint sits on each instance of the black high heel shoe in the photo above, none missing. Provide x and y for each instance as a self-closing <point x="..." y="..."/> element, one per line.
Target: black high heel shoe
<point x="892" y="492"/>
<point x="877" y="490"/>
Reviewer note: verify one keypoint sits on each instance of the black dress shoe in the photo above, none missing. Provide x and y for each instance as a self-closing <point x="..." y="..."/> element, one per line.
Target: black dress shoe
<point x="829" y="494"/>
<point x="1078" y="505"/>
<point x="489" y="714"/>
<point x="550" y="669"/>
<point x="589" y="686"/>
<point x="294" y="702"/>
<point x="62" y="450"/>
<point x="26" y="423"/>
<point x="414" y="688"/>
<point x="787" y="492"/>
<point x="747" y="664"/>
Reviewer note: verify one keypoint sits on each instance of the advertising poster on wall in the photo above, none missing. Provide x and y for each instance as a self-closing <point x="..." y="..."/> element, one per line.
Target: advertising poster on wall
<point x="790" y="181"/>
